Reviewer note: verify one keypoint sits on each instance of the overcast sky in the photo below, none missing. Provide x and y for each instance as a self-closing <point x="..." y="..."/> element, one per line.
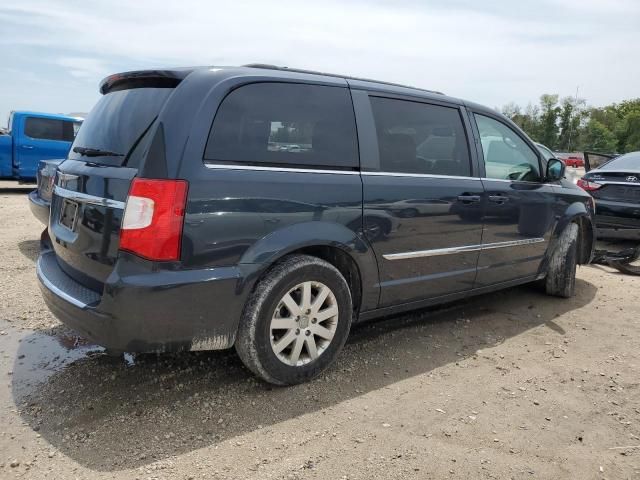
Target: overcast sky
<point x="53" y="53"/>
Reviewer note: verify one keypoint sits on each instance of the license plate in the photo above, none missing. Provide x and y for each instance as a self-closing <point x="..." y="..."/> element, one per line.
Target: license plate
<point x="69" y="214"/>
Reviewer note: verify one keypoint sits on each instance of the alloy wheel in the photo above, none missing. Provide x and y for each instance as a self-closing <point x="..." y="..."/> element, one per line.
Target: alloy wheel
<point x="304" y="323"/>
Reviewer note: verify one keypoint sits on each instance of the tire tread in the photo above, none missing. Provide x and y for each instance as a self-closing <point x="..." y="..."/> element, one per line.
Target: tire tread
<point x="561" y="275"/>
<point x="246" y="343"/>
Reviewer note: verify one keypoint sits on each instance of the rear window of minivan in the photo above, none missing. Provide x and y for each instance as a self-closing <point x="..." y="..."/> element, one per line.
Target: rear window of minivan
<point x="118" y="121"/>
<point x="285" y="124"/>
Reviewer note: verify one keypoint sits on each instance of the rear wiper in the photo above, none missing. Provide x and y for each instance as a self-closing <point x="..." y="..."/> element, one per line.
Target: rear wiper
<point x="96" y="152"/>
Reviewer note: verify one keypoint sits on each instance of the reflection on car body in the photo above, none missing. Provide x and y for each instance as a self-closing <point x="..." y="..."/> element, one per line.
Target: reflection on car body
<point x="215" y="216"/>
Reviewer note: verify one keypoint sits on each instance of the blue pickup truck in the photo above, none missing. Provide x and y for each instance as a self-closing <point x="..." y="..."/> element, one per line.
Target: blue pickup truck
<point x="32" y="137"/>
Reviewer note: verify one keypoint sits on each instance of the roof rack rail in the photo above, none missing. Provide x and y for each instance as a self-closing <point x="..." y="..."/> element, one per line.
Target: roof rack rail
<point x="267" y="66"/>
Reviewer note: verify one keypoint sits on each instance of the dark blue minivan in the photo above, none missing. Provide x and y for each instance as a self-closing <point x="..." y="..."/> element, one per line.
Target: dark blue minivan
<point x="270" y="208"/>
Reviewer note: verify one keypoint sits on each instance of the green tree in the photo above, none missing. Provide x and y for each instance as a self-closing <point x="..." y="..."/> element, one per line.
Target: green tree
<point x="572" y="126"/>
<point x="571" y="115"/>
<point x="627" y="129"/>
<point x="598" y="138"/>
<point x="528" y="120"/>
<point x="549" y="112"/>
<point x="629" y="132"/>
<point x="620" y="118"/>
<point x="511" y="110"/>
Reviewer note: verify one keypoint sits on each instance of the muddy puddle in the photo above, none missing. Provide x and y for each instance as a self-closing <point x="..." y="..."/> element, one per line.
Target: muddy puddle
<point x="39" y="355"/>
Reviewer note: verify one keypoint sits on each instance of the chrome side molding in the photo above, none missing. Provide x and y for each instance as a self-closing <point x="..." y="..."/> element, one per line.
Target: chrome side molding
<point x="414" y="175"/>
<point x="462" y="249"/>
<point x="259" y="168"/>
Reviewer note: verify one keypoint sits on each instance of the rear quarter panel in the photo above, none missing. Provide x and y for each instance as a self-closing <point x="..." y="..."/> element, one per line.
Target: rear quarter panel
<point x="256" y="217"/>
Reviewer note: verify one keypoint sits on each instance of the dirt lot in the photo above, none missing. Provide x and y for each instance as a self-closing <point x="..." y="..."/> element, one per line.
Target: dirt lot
<point x="509" y="385"/>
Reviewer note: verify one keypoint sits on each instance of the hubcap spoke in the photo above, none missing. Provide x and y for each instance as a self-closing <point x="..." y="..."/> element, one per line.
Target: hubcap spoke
<point x="283" y="323"/>
<point x="327" y="313"/>
<point x="291" y="304"/>
<point x="322" y="332"/>
<point x="306" y="296"/>
<point x="320" y="298"/>
<point x="285" y="341"/>
<point x="297" y="349"/>
<point x="311" y="347"/>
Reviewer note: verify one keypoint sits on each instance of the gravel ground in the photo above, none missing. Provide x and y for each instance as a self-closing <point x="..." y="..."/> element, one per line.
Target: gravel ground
<point x="513" y="384"/>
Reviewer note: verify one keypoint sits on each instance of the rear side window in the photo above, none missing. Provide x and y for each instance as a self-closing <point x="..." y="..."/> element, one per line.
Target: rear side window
<point x="285" y="124"/>
<point x="420" y="138"/>
<point x="50" y="129"/>
<point x="118" y="122"/>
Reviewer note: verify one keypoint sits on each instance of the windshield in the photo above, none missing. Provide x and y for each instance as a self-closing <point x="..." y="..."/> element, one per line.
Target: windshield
<point x="117" y="122"/>
<point x="628" y="161"/>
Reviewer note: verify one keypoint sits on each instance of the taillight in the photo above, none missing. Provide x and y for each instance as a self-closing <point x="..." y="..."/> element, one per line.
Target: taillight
<point x="153" y="218"/>
<point x="587" y="185"/>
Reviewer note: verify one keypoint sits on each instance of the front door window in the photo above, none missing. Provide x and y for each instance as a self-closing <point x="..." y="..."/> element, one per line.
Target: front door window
<point x="506" y="155"/>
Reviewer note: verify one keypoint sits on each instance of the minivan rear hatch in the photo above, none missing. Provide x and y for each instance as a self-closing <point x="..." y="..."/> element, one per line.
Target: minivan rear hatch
<point x="91" y="186"/>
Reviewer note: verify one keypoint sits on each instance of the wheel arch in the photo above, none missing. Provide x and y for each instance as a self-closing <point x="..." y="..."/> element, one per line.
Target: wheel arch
<point x="345" y="264"/>
<point x="575" y="213"/>
<point x="586" y="239"/>
<point x="332" y="242"/>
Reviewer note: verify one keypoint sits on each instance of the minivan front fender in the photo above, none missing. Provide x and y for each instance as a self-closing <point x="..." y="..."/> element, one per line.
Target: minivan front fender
<point x="575" y="212"/>
<point x="268" y="250"/>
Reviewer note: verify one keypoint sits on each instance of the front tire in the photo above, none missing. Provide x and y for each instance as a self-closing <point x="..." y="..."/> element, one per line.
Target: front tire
<point x="561" y="276"/>
<point x="296" y="321"/>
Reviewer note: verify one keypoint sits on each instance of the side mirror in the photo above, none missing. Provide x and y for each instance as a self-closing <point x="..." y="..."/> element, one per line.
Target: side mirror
<point x="555" y="170"/>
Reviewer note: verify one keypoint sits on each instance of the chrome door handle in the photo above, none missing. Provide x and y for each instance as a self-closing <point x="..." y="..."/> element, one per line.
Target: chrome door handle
<point x="498" y="198"/>
<point x="469" y="198"/>
<point x="27" y="147"/>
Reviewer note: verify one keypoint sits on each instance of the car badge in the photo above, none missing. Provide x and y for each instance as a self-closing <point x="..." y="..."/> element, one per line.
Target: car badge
<point x="632" y="178"/>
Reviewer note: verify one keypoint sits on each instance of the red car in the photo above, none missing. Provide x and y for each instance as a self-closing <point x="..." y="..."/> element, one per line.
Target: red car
<point x="574" y="162"/>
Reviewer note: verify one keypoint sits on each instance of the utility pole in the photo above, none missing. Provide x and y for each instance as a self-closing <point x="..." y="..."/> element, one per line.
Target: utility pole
<point x="570" y="122"/>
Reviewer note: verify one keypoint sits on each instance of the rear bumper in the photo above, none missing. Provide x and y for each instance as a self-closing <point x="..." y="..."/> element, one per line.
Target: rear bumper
<point x="617" y="220"/>
<point x="151" y="312"/>
<point x="39" y="207"/>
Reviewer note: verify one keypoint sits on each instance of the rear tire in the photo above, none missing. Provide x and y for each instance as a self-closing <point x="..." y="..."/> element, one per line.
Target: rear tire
<point x="296" y="321"/>
<point x="561" y="276"/>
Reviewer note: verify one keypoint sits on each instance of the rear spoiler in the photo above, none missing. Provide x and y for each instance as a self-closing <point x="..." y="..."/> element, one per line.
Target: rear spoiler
<point x="144" y="79"/>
